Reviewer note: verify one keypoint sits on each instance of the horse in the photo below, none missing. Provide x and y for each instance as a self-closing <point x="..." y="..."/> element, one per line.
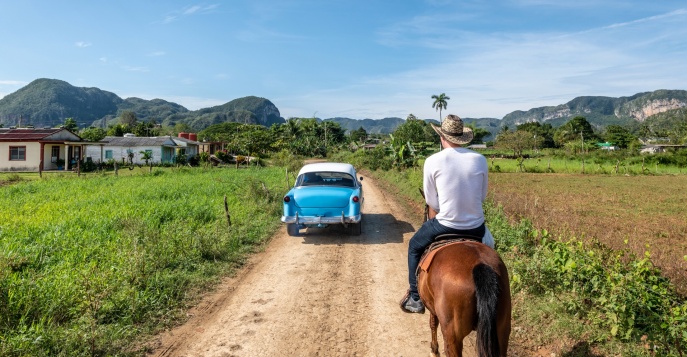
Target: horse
<point x="466" y="288"/>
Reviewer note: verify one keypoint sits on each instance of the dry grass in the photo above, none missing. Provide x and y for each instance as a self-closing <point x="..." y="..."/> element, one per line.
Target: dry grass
<point x="639" y="213"/>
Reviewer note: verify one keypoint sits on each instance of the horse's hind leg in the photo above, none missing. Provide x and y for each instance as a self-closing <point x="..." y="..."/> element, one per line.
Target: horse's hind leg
<point x="433" y="324"/>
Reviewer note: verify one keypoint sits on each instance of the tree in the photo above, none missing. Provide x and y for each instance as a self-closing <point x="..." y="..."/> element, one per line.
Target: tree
<point x="146" y="155"/>
<point x="414" y="131"/>
<point x="118" y="130"/>
<point x="479" y="133"/>
<point x="145" y="129"/>
<point x="518" y="141"/>
<point x="543" y="133"/>
<point x="71" y="125"/>
<point x="619" y="136"/>
<point x="182" y="128"/>
<point x="440" y="103"/>
<point x="93" y="134"/>
<point x="128" y="118"/>
<point x="578" y="128"/>
<point x="359" y="135"/>
<point x="292" y="128"/>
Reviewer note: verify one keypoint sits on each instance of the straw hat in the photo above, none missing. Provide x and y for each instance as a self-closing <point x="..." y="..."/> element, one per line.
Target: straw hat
<point x="452" y="130"/>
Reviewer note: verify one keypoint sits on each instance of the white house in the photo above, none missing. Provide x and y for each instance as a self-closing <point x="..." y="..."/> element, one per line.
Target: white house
<point x="162" y="149"/>
<point x="29" y="149"/>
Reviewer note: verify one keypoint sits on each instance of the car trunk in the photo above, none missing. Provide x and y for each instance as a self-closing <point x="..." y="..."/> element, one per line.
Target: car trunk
<point x="316" y="198"/>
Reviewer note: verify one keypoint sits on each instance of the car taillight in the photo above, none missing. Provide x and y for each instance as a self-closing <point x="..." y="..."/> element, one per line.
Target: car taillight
<point x="356" y="199"/>
<point x="287" y="199"/>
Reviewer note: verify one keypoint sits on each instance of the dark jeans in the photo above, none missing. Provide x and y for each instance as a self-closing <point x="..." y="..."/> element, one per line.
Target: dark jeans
<point x="423" y="238"/>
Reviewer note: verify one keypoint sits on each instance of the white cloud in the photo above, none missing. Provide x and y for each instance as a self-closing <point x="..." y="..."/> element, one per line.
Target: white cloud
<point x="135" y="69"/>
<point x="82" y="44"/>
<point x="189" y="11"/>
<point x="156" y="54"/>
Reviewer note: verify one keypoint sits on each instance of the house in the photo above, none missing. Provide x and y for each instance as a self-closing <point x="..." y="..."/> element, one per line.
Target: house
<point x="659" y="148"/>
<point x="130" y="149"/>
<point x="212" y="147"/>
<point x="30" y="149"/>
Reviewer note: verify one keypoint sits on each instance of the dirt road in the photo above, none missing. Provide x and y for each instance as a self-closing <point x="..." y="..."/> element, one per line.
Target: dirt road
<point x="322" y="294"/>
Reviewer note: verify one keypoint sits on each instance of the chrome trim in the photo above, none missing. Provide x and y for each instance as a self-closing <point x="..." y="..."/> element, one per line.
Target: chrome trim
<point x="321" y="220"/>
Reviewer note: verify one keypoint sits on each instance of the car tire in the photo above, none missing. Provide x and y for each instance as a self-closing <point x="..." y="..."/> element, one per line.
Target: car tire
<point x="356" y="228"/>
<point x="292" y="229"/>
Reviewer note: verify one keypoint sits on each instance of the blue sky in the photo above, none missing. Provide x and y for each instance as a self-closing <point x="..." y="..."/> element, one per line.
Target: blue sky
<point x="350" y="58"/>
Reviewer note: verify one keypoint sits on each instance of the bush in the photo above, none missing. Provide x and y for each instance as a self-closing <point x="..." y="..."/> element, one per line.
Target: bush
<point x="288" y="160"/>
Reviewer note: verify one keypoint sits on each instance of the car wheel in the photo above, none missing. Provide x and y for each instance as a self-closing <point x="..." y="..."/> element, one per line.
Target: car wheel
<point x="356" y="229"/>
<point x="292" y="229"/>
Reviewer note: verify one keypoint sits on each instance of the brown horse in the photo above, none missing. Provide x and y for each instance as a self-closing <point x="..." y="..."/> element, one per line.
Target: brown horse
<point x="466" y="288"/>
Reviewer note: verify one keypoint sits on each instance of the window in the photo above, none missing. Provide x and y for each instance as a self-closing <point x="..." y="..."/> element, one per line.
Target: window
<point x="108" y="154"/>
<point x="55" y="154"/>
<point x="325" y="179"/>
<point x="17" y="153"/>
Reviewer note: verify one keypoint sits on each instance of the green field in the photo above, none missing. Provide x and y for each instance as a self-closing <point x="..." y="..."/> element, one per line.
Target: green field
<point x="88" y="264"/>
<point x="634" y="166"/>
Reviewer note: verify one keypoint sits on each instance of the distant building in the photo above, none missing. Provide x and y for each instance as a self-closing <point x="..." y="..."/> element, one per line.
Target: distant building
<point x="162" y="149"/>
<point x="30" y="149"/>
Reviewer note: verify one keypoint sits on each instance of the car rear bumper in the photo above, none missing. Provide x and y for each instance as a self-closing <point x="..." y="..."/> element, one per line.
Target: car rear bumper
<point x="321" y="220"/>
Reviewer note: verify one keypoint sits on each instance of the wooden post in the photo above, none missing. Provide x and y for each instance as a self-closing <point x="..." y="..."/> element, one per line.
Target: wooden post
<point x="226" y="211"/>
<point x="264" y="187"/>
<point x="115" y="169"/>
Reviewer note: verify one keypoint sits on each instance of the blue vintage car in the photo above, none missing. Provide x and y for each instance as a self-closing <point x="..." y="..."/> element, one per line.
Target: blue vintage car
<point x="325" y="193"/>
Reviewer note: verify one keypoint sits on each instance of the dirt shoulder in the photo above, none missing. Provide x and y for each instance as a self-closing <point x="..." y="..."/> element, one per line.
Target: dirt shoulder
<point x="322" y="294"/>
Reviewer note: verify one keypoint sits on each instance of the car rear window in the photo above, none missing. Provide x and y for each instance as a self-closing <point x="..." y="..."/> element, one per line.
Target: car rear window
<point x="325" y="179"/>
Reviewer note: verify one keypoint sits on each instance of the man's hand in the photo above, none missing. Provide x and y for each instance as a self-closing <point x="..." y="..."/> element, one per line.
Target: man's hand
<point x="431" y="213"/>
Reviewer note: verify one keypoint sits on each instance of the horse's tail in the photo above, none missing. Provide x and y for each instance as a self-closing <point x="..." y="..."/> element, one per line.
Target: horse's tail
<point x="487" y="290"/>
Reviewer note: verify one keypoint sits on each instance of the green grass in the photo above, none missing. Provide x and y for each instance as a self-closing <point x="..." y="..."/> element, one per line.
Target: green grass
<point x="88" y="265"/>
<point x="587" y="166"/>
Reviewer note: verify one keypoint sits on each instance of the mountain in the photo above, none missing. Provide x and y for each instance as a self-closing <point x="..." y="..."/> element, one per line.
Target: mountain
<point x="602" y="111"/>
<point x="48" y="102"/>
<point x="371" y="126"/>
<point x="667" y="121"/>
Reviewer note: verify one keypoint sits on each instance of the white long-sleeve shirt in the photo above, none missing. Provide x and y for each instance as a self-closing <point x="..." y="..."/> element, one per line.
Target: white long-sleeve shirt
<point x="455" y="183"/>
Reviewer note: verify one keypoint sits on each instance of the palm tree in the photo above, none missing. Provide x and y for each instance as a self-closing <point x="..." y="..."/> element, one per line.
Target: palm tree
<point x="440" y="103"/>
<point x="293" y="128"/>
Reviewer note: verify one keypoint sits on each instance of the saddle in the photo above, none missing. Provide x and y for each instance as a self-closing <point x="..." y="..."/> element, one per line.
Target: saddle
<point x="440" y="242"/>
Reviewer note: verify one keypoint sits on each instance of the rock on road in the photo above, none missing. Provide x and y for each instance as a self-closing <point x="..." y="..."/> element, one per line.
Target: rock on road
<point x="325" y="293"/>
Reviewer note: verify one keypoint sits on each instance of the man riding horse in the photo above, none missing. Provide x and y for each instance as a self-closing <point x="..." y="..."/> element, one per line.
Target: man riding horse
<point x="455" y="185"/>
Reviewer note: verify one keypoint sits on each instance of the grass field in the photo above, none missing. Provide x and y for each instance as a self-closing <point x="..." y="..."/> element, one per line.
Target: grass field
<point x="89" y="264"/>
<point x="578" y="166"/>
<point x="639" y="213"/>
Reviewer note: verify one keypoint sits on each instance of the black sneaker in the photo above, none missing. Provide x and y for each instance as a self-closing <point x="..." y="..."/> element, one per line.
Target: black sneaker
<point x="412" y="304"/>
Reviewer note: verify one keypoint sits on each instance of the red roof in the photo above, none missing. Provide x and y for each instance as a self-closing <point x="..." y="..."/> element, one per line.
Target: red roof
<point x="25" y="134"/>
